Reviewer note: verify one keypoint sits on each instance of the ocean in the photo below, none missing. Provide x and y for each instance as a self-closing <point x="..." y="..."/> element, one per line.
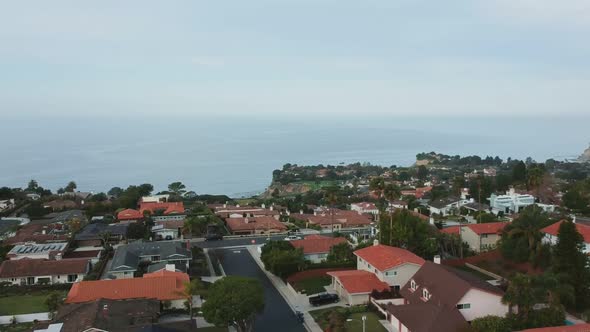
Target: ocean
<point x="236" y="155"/>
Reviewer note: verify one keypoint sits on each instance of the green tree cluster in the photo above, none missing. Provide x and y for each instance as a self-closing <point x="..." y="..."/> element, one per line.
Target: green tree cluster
<point x="405" y="230"/>
<point x="521" y="239"/>
<point x="281" y="258"/>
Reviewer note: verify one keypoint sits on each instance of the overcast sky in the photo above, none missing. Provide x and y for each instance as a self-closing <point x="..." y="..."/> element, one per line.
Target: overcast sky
<point x="299" y="57"/>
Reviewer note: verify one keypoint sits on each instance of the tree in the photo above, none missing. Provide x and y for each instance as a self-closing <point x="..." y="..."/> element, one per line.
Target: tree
<point x="520" y="294"/>
<point x="341" y="253"/>
<point x="519" y="172"/>
<point x="281" y="259"/>
<point x="236" y="300"/>
<point x="71" y="187"/>
<point x="377" y="184"/>
<point x="571" y="263"/>
<point x="534" y="176"/>
<point x="521" y="240"/>
<point x="391" y="192"/>
<point x="33" y="185"/>
<point x="422" y="172"/>
<point x="490" y="324"/>
<point x="115" y="191"/>
<point x="53" y="301"/>
<point x="405" y="230"/>
<point x="177" y="188"/>
<point x="190" y="289"/>
<point x="136" y="230"/>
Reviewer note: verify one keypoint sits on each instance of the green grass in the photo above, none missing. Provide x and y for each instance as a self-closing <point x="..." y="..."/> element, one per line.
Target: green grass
<point x="371" y="324"/>
<point x="22" y="327"/>
<point x="355" y="325"/>
<point x="313" y="285"/>
<point x="317" y="185"/>
<point x="24" y="304"/>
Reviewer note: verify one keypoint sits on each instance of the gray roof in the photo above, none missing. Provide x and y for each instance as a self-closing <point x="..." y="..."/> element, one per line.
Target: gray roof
<point x="93" y="231"/>
<point x="127" y="257"/>
<point x="477" y="206"/>
<point x="442" y="202"/>
<point x="66" y="216"/>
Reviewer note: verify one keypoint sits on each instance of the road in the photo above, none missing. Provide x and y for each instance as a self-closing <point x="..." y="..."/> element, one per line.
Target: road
<point x="277" y="315"/>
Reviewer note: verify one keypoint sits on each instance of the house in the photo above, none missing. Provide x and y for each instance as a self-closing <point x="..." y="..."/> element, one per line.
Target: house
<point x="392" y="265"/>
<point x="476" y="207"/>
<point x="254" y="225"/>
<point x="164" y="286"/>
<point x="335" y="219"/>
<point x="425" y="317"/>
<point x="92" y="255"/>
<point x="9" y="226"/>
<point x="168" y="230"/>
<point x="92" y="234"/>
<point x="513" y="202"/>
<point x="155" y="198"/>
<point x="397" y="204"/>
<point x="6" y="204"/>
<point x="550" y="234"/>
<point x="128" y="257"/>
<point x="129" y="216"/>
<point x="229" y="211"/>
<point x="60" y="204"/>
<point x="446" y="206"/>
<point x="163" y="211"/>
<point x="418" y="192"/>
<point x="451" y="289"/>
<point x="365" y="207"/>
<point x="107" y="315"/>
<point x="479" y="237"/>
<point x="41" y="271"/>
<point x="316" y="247"/>
<point x="37" y="251"/>
<point x="356" y="286"/>
<point x="37" y="233"/>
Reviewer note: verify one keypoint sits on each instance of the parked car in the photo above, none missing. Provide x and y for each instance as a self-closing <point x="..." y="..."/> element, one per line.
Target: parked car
<point x="292" y="237"/>
<point x="213" y="237"/>
<point x="322" y="299"/>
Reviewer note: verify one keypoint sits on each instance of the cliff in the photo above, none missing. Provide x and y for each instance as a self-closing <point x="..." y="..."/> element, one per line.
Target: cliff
<point x="585" y="157"/>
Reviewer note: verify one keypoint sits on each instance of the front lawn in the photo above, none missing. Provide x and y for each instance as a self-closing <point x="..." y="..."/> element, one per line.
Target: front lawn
<point x="24" y="304"/>
<point x="312" y="285"/>
<point x="352" y="319"/>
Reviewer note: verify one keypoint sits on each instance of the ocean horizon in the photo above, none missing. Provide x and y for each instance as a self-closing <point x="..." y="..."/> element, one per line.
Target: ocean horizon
<point x="235" y="155"/>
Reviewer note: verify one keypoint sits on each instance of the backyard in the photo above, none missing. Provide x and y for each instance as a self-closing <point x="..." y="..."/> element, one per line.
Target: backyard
<point x="32" y="302"/>
<point x="312" y="285"/>
<point x="352" y="319"/>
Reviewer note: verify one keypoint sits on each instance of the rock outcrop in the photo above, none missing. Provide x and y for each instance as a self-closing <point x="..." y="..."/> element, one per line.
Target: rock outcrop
<point x="585" y="157"/>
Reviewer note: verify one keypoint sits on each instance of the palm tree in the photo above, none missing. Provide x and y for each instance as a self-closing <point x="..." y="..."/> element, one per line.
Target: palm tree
<point x="520" y="293"/>
<point x="190" y="289"/>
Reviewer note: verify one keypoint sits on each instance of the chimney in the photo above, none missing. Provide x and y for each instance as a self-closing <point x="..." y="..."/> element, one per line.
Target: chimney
<point x="431" y="220"/>
<point x="170" y="267"/>
<point x="237" y="205"/>
<point x="315" y="213"/>
<point x="263" y="206"/>
<point x="416" y="210"/>
<point x="574" y="219"/>
<point x="43" y="231"/>
<point x="300" y="211"/>
<point x="375" y="242"/>
<point x="437" y="259"/>
<point x="272" y="207"/>
<point x="288" y="212"/>
<point x="224" y="205"/>
<point x="58" y="256"/>
<point x="245" y="220"/>
<point x="105" y="310"/>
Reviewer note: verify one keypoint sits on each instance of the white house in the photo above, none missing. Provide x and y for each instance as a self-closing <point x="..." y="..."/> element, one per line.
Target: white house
<point x="550" y="234"/>
<point x="513" y="202"/>
<point x="446" y="206"/>
<point x="392" y="265"/>
<point x="6" y="204"/>
<point x="365" y="207"/>
<point x="40" y="271"/>
<point x="37" y="251"/>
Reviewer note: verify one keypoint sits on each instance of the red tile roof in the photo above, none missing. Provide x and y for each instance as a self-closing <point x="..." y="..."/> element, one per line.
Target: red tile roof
<point x="582" y="229"/>
<point x="315" y="244"/>
<point x="168" y="207"/>
<point x="386" y="257"/>
<point x="254" y="223"/>
<point x="41" y="267"/>
<point x="343" y="217"/>
<point x="487" y="228"/>
<point x="569" y="328"/>
<point x="129" y="214"/>
<point x="359" y="282"/>
<point x="451" y="230"/>
<point x="162" y="285"/>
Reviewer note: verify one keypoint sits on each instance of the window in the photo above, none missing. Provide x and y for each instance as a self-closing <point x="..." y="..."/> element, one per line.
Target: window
<point x="413" y="285"/>
<point x="425" y="294"/>
<point x="391" y="273"/>
<point x="484" y="236"/>
<point x="463" y="305"/>
<point x="72" y="277"/>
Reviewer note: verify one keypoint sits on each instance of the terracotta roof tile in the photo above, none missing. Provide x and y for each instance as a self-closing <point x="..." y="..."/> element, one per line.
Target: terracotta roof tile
<point x="41" y="267"/>
<point x="385" y="257"/>
<point x="254" y="223"/>
<point x="168" y="207"/>
<point x="487" y="228"/>
<point x="359" y="281"/>
<point x="129" y="214"/>
<point x="553" y="229"/>
<point x="162" y="285"/>
<point x="315" y="244"/>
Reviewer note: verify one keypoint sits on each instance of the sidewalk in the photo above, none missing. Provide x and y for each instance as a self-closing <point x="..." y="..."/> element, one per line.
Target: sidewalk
<point x="295" y="301"/>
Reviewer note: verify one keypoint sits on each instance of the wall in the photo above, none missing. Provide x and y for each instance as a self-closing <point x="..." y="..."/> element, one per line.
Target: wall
<point x="177" y="304"/>
<point x="42" y="316"/>
<point x="404" y="273"/>
<point x="482" y="304"/>
<point x="316" y="258"/>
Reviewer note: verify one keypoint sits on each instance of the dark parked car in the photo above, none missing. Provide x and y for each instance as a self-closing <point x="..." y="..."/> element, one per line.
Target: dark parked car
<point x="213" y="237"/>
<point x="322" y="299"/>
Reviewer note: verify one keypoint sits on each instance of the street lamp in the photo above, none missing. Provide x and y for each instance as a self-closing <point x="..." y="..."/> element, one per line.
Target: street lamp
<point x="364" y="319"/>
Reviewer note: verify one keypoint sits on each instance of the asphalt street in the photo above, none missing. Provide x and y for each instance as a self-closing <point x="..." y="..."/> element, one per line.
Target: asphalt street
<point x="277" y="315"/>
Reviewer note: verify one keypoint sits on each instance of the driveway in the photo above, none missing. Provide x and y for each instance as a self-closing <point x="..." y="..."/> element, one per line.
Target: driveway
<point x="277" y="315"/>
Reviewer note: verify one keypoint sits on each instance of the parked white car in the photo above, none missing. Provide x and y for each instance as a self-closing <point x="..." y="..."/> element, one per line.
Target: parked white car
<point x="292" y="237"/>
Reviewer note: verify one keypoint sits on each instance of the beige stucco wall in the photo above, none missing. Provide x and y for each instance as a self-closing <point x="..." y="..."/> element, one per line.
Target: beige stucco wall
<point x="477" y="243"/>
<point x="482" y="304"/>
<point x="403" y="272"/>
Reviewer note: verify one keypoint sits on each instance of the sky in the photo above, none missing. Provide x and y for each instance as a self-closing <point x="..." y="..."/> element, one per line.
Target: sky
<point x="295" y="57"/>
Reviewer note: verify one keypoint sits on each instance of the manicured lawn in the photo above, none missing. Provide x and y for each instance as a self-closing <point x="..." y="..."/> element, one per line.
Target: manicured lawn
<point x="313" y="285"/>
<point x="24" y="304"/>
<point x="355" y="325"/>
<point x="371" y="324"/>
